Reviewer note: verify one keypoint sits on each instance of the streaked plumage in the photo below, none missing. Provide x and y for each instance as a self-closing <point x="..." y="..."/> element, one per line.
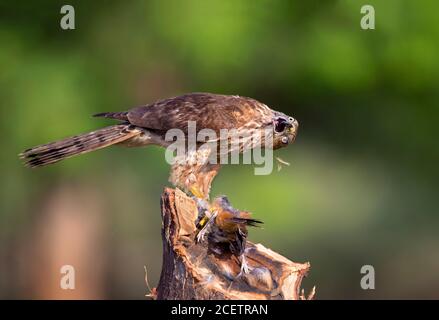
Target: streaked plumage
<point x="146" y="125"/>
<point x="228" y="232"/>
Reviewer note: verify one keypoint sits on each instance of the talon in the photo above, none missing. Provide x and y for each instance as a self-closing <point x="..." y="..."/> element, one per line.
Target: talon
<point x="245" y="268"/>
<point x="200" y="235"/>
<point x="205" y="222"/>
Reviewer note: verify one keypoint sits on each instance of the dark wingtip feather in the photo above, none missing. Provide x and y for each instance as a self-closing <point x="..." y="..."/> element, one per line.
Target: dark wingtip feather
<point x="100" y="115"/>
<point x="254" y="222"/>
<point x="247" y="221"/>
<point x="112" y="115"/>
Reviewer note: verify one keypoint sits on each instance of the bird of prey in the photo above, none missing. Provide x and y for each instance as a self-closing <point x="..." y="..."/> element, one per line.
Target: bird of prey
<point x="252" y="122"/>
<point x="148" y="125"/>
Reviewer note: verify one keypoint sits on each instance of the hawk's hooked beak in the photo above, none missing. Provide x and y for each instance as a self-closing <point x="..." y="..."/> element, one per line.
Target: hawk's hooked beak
<point x="292" y="130"/>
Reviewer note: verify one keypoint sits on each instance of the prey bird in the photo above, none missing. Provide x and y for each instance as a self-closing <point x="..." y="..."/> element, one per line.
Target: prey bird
<point x="228" y="230"/>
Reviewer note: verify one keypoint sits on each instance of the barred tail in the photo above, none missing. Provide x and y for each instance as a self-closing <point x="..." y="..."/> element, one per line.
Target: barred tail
<point x="59" y="150"/>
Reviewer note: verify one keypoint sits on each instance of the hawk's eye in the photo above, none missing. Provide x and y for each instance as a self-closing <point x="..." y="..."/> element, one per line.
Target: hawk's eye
<point x="280" y="124"/>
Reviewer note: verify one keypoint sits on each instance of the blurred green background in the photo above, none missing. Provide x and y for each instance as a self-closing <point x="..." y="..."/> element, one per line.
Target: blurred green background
<point x="362" y="186"/>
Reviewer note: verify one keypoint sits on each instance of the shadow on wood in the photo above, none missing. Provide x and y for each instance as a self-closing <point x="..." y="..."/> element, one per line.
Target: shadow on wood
<point x="189" y="271"/>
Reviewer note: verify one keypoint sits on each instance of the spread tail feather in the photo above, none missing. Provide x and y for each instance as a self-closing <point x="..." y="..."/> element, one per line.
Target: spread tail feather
<point x="246" y="221"/>
<point x="59" y="150"/>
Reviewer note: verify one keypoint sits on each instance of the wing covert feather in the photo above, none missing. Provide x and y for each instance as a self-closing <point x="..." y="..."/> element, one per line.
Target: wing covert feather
<point x="211" y="111"/>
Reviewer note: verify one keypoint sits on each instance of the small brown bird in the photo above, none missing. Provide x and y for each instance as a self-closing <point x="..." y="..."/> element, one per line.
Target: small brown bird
<point x="148" y="125"/>
<point x="228" y="230"/>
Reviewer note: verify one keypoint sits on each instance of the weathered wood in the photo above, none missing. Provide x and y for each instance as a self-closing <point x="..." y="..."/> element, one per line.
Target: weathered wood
<point x="189" y="271"/>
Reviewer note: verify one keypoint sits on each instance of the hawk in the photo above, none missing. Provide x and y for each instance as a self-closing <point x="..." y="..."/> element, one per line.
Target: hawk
<point x="148" y="125"/>
<point x="239" y="123"/>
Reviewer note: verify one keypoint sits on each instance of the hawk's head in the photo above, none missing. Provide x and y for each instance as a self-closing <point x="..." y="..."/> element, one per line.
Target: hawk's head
<point x="284" y="130"/>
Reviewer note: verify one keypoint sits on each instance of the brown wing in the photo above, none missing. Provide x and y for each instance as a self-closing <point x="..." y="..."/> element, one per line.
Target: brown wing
<point x="211" y="111"/>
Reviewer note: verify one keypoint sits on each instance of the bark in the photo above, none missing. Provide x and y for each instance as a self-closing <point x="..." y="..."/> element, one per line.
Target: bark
<point x="189" y="271"/>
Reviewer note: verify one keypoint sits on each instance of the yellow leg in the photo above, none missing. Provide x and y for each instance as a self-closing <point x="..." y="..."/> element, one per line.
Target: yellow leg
<point x="203" y="222"/>
<point x="209" y="212"/>
<point x="206" y="222"/>
<point x="196" y="191"/>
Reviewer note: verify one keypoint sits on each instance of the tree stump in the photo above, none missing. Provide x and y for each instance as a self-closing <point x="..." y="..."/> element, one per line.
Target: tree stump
<point x="189" y="271"/>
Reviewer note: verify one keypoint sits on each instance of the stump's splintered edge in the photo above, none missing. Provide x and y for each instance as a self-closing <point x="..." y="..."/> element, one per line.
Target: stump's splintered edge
<point x="190" y="272"/>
